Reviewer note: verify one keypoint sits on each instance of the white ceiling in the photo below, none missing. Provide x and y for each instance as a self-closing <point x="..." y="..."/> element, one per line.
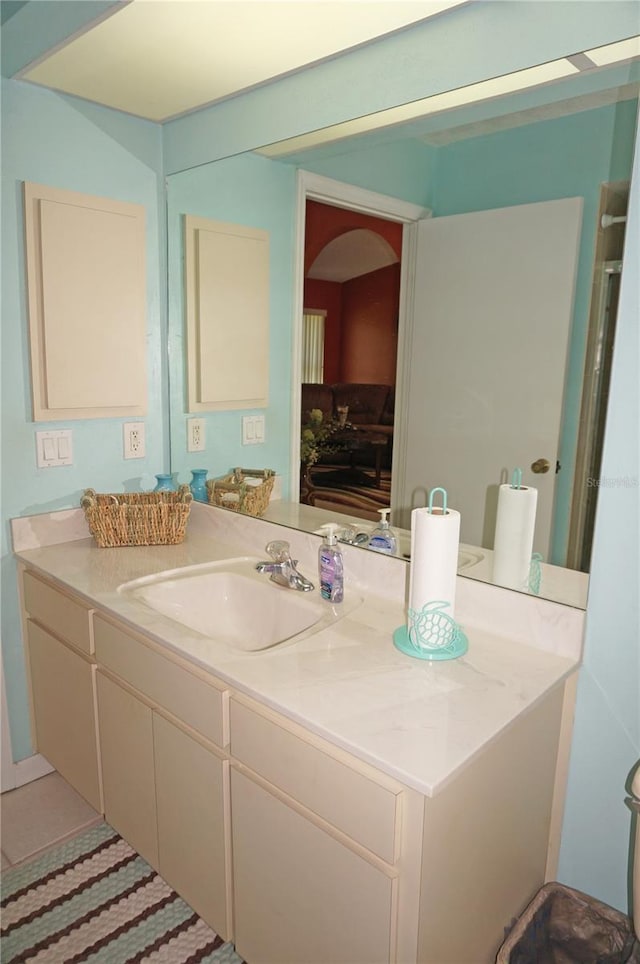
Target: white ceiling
<point x="157" y="59"/>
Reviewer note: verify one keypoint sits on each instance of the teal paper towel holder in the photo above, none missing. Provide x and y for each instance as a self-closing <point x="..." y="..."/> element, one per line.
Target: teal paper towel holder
<point x="431" y="633"/>
<point x="428" y="626"/>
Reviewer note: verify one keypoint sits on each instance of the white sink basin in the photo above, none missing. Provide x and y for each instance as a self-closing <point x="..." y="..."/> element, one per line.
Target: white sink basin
<point x="468" y="558"/>
<point x="232" y="603"/>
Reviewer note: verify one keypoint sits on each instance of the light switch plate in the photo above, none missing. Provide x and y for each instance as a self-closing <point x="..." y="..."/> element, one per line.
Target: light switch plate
<point x="54" y="448"/>
<point x="252" y="429"/>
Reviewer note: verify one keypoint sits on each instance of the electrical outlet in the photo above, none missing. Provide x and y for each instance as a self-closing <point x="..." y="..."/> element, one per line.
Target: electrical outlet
<point x="134" y="447"/>
<point x="196" y="435"/>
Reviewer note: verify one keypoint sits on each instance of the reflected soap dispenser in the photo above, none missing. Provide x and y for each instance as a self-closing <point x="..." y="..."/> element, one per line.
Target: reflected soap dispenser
<point x="330" y="567"/>
<point x="383" y="538"/>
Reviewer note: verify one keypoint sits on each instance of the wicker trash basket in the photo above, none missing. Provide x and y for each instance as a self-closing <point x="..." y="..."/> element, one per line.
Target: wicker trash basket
<point x="243" y="490"/>
<point x="137" y="518"/>
<point x="564" y="926"/>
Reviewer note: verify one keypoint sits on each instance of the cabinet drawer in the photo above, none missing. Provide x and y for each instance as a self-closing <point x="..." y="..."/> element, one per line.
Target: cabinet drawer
<point x="199" y="704"/>
<point x="358" y="805"/>
<point x="60" y="613"/>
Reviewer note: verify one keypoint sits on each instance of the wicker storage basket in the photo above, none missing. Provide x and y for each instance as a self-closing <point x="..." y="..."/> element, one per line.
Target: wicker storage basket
<point x="233" y="491"/>
<point x="137" y="518"/>
<point x="564" y="926"/>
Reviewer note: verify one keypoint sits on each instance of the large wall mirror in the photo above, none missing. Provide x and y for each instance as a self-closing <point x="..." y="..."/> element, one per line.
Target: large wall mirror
<point x="559" y="153"/>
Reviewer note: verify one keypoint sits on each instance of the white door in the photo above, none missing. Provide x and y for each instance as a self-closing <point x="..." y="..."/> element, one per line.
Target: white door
<point x="492" y="313"/>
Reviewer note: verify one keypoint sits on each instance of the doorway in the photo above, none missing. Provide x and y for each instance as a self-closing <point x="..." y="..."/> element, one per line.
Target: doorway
<point x="351" y="296"/>
<point x="351" y="256"/>
<point x="605" y="289"/>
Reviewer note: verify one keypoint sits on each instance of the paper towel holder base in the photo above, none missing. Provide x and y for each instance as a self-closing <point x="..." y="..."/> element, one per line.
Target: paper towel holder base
<point x="457" y="647"/>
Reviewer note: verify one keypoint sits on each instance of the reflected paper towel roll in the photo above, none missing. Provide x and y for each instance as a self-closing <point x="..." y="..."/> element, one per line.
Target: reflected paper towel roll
<point x="513" y="542"/>
<point x="435" y="538"/>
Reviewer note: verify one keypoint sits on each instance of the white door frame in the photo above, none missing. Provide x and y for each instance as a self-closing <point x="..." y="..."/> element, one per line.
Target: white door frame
<point x="349" y="196"/>
<point x="6" y="755"/>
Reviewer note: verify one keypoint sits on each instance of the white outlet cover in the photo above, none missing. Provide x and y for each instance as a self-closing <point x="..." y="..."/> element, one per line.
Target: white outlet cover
<point x="196" y="435"/>
<point x="134" y="440"/>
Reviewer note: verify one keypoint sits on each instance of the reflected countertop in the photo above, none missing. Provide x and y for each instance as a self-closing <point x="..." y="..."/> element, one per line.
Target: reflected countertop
<point x="566" y="586"/>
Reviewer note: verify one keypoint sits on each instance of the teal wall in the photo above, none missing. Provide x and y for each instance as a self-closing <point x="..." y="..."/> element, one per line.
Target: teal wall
<point x="404" y="169"/>
<point x="66" y="144"/>
<point x="255" y="192"/>
<point x="54" y="140"/>
<point x="595" y="855"/>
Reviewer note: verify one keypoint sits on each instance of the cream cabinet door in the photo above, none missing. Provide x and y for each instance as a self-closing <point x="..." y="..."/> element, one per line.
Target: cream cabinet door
<point x="193" y="834"/>
<point x="226" y="269"/>
<point x="63" y="702"/>
<point x="126" y="748"/>
<point x="300" y="895"/>
<point x="86" y="279"/>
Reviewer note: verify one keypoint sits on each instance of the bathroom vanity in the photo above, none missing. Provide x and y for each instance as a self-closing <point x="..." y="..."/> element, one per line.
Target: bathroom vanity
<point x="325" y="800"/>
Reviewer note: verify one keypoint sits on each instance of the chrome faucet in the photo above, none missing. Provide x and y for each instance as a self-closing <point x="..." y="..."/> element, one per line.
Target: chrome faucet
<point x="352" y="537"/>
<point x="283" y="567"/>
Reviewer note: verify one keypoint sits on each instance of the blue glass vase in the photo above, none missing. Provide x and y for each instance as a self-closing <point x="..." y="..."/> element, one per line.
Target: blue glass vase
<point x="165" y="484"/>
<point x="198" y="485"/>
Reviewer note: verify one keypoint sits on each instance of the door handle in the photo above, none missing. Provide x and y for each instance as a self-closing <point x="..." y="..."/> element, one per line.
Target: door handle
<point x="540" y="466"/>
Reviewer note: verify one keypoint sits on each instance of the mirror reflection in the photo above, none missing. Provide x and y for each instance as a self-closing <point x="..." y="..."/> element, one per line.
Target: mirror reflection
<point x="485" y="268"/>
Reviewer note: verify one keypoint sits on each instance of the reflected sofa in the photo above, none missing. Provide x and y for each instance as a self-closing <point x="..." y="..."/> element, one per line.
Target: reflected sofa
<point x="371" y="408"/>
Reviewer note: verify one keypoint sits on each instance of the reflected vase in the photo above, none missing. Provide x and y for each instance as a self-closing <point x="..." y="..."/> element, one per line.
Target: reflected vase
<point x="198" y="485"/>
<point x="165" y="483"/>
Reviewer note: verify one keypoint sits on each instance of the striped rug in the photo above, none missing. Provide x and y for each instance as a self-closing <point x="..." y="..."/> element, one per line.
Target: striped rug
<point x="95" y="899"/>
<point x="344" y="492"/>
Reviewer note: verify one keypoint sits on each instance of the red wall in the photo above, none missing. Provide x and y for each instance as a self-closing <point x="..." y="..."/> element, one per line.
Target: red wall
<point x="370" y="327"/>
<point x="328" y="295"/>
<point x="361" y="334"/>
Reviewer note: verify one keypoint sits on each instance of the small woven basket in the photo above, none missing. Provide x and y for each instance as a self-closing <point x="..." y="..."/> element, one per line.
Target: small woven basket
<point x="137" y="518"/>
<point x="233" y="491"/>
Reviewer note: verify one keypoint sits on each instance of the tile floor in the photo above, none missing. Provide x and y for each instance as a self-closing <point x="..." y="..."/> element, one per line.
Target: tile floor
<point x="40" y="815"/>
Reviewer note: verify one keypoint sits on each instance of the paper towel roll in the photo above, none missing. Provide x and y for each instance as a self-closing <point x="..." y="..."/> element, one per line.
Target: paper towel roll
<point x="434" y="558"/>
<point x="513" y="542"/>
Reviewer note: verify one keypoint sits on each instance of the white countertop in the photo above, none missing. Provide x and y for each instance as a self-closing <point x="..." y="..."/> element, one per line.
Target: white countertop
<point x="415" y="720"/>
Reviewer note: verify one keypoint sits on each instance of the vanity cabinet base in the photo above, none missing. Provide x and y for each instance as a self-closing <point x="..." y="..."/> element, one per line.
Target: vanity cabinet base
<point x="192" y="793"/>
<point x="167" y="794"/>
<point x="485" y="840"/>
<point x="300" y="894"/>
<point x="63" y="707"/>
<point x="282" y="842"/>
<point x="61" y="672"/>
<point x="126" y="745"/>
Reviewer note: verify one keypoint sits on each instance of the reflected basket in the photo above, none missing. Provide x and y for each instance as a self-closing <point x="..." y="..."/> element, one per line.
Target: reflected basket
<point x="243" y="490"/>
<point x="137" y="518"/>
